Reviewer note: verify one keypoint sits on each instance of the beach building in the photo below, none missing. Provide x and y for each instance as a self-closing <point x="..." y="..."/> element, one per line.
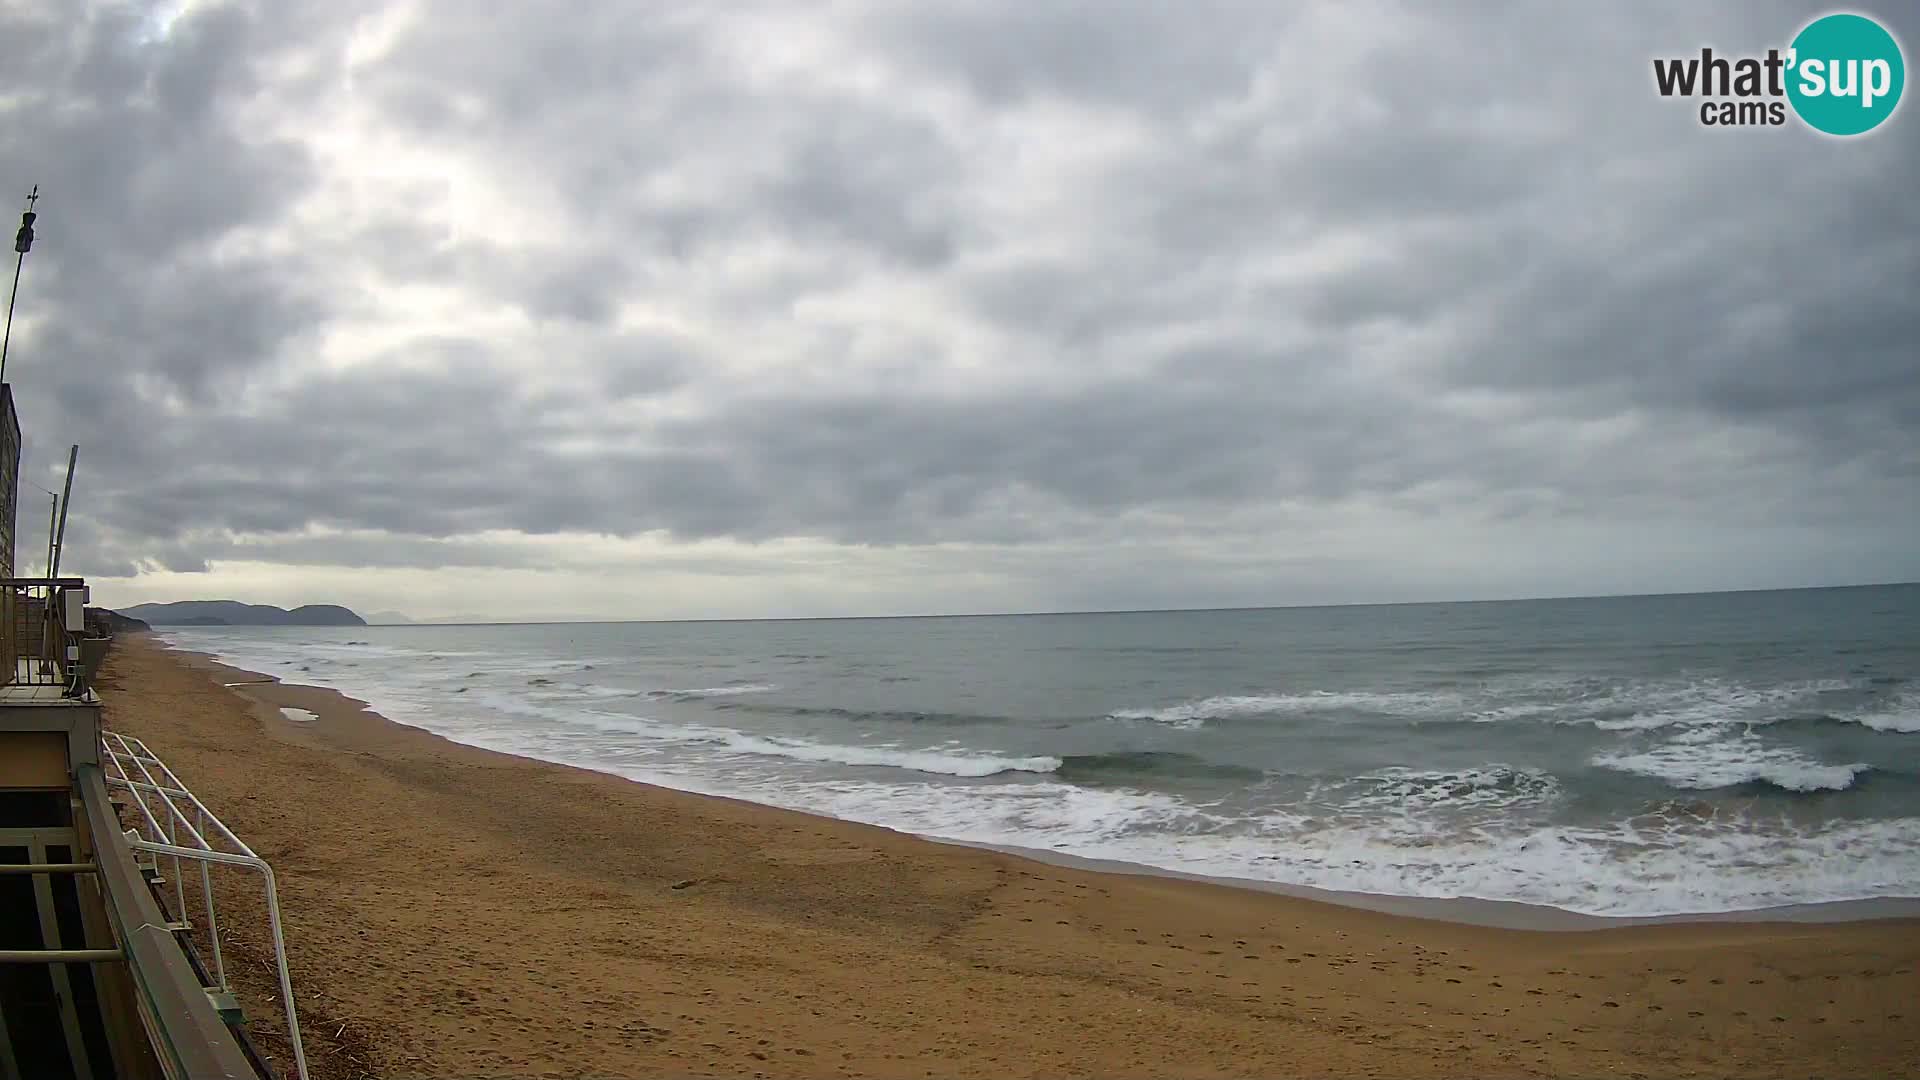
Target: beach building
<point x="100" y="970"/>
<point x="111" y="963"/>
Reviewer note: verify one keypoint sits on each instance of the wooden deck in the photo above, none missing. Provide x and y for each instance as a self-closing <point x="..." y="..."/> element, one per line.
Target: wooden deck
<point x="34" y="683"/>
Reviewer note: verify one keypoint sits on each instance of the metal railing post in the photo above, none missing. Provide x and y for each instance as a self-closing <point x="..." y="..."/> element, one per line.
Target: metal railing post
<point x="213" y="921"/>
<point x="118" y="750"/>
<point x="286" y="980"/>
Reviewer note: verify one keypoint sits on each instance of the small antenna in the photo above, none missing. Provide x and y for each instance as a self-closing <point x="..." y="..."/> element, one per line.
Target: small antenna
<point x="22" y="243"/>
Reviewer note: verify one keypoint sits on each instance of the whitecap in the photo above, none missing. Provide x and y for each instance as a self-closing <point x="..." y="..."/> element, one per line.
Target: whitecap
<point x="1703" y="765"/>
<point x="1196" y="713"/>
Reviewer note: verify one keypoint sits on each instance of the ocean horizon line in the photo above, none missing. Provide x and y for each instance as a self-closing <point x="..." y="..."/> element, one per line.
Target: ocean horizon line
<point x="597" y="621"/>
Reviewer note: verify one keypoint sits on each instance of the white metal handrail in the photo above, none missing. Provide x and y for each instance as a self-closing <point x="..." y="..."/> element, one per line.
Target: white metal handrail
<point x="163" y="837"/>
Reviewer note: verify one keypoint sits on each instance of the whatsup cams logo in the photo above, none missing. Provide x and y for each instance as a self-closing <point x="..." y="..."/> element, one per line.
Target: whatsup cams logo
<point x="1841" y="75"/>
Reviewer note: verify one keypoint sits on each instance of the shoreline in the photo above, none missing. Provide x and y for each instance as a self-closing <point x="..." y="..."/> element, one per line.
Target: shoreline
<point x="1464" y="910"/>
<point x="1480" y="911"/>
<point x="458" y="911"/>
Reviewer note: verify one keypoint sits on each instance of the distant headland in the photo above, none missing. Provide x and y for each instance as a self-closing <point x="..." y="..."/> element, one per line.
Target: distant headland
<point x="234" y="613"/>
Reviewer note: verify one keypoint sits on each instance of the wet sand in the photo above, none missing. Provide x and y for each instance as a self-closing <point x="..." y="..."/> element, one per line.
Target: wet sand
<point x="455" y="912"/>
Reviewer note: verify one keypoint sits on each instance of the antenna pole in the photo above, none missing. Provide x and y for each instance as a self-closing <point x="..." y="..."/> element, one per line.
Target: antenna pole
<point x="66" y="503"/>
<point x="22" y="243"/>
<point x="52" y="512"/>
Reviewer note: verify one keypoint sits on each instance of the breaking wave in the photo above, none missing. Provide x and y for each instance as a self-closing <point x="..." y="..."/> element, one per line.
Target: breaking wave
<point x="1705" y="764"/>
<point x="1147" y="765"/>
<point x="1485" y="788"/>
<point x="1901" y="716"/>
<point x="1196" y="713"/>
<point x="942" y="762"/>
<point x="711" y="692"/>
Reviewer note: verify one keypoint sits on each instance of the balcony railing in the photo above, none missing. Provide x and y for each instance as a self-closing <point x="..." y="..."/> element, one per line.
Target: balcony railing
<point x="42" y="630"/>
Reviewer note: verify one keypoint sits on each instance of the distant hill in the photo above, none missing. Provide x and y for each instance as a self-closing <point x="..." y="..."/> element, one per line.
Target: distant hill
<point x="387" y="618"/>
<point x="234" y="613"/>
<point x="102" y="622"/>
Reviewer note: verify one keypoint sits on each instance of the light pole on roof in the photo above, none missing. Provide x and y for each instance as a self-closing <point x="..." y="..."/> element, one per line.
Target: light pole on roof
<point x="22" y="243"/>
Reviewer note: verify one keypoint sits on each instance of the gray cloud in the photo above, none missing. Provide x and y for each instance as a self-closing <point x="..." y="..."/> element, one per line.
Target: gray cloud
<point x="1278" y="303"/>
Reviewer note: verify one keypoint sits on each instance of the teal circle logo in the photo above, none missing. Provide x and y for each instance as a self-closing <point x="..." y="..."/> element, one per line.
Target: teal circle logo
<point x="1845" y="74"/>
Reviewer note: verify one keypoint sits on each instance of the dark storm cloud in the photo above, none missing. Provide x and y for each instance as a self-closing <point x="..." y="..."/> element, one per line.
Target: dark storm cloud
<point x="994" y="273"/>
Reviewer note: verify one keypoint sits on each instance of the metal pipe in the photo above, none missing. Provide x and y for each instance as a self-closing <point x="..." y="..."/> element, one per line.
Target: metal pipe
<point x="22" y="243"/>
<point x="191" y="797"/>
<point x="122" y="782"/>
<point x="273" y="926"/>
<point x="60" y="956"/>
<point x="286" y="980"/>
<point x="190" y="1039"/>
<point x="173" y="811"/>
<point x="18" y="262"/>
<point x="167" y="842"/>
<point x="213" y="921"/>
<point x="66" y="503"/>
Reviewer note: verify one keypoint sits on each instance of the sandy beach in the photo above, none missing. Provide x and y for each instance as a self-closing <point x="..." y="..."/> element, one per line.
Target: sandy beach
<point x="454" y="912"/>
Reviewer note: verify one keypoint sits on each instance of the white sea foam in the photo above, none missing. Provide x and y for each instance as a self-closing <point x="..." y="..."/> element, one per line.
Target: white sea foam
<point x="1491" y="787"/>
<point x="1650" y="706"/>
<point x="718" y="691"/>
<point x="1901" y="715"/>
<point x="1398" y="831"/>
<point x="1905" y="723"/>
<point x="926" y="761"/>
<point x="558" y="719"/>
<point x="1621" y="869"/>
<point x="593" y="690"/>
<point x="1703" y="764"/>
<point x="1196" y="713"/>
<point x="1636" y="706"/>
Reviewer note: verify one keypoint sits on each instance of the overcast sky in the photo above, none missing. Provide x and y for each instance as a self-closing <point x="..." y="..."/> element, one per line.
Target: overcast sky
<point x="728" y="309"/>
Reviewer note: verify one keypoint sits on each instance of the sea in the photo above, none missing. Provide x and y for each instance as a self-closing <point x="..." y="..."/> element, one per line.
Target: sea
<point x="1629" y="756"/>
